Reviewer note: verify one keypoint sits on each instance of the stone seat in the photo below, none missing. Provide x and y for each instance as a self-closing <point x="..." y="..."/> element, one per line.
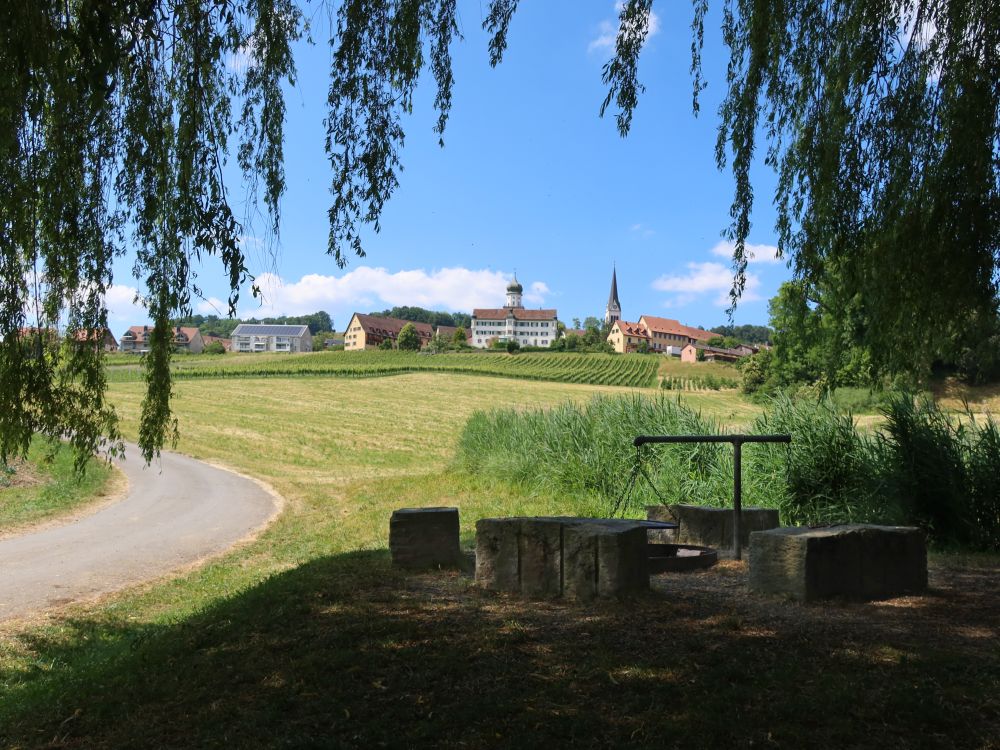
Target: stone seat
<point x="712" y="527"/>
<point x="574" y="558"/>
<point x="853" y="561"/>
<point x="425" y="538"/>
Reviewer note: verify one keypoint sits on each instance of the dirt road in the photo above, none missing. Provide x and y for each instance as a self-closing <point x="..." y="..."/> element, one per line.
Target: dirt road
<point x="177" y="511"/>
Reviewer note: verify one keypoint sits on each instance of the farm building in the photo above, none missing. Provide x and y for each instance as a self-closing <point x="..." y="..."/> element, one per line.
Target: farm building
<point x="713" y="353"/>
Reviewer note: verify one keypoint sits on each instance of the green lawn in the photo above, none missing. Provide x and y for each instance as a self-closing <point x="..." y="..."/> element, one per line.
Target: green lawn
<point x="306" y="637"/>
<point x="40" y="489"/>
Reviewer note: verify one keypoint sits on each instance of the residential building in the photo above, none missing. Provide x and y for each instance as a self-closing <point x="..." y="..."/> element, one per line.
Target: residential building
<point x="136" y="339"/>
<point x="107" y="340"/>
<point x="664" y="332"/>
<point x="613" y="311"/>
<point x="626" y="337"/>
<point x="513" y="322"/>
<point x="265" y="337"/>
<point x="368" y="331"/>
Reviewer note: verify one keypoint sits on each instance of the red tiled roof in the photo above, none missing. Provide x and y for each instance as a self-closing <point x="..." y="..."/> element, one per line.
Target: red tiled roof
<point x="675" y="327"/>
<point x="142" y="332"/>
<point x="632" y="329"/>
<point x="520" y="313"/>
<point x="373" y="324"/>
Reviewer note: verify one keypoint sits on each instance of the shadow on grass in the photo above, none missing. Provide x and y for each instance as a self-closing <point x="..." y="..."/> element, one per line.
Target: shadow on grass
<point x="344" y="651"/>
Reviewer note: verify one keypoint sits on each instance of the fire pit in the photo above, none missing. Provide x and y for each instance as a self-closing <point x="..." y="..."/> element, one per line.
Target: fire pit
<point x="680" y="558"/>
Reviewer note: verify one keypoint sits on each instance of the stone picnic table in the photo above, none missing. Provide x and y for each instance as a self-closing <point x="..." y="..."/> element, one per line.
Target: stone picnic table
<point x="564" y="556"/>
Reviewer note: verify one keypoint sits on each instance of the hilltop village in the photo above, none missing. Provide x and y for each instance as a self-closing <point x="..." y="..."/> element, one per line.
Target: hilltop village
<point x="510" y="327"/>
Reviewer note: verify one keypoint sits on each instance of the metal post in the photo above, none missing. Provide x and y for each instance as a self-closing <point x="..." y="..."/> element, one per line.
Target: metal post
<point x="737" y="498"/>
<point x="737" y="441"/>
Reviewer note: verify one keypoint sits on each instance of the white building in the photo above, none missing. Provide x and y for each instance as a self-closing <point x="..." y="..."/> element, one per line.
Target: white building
<point x="513" y="322"/>
<point x="254" y="337"/>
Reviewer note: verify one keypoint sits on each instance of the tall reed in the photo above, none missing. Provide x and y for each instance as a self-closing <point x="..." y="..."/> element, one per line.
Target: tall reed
<point x="922" y="467"/>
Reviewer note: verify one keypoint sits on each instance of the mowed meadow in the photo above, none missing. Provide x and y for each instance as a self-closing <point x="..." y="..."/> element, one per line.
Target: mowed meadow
<point x="306" y="637"/>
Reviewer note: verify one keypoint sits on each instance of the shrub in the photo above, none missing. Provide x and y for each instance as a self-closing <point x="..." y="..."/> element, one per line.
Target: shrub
<point x="215" y="347"/>
<point x="408" y="338"/>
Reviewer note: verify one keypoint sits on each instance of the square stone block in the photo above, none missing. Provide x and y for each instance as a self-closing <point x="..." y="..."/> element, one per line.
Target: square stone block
<point x="713" y="527"/>
<point x="425" y="538"/>
<point x="576" y="558"/>
<point x="854" y="561"/>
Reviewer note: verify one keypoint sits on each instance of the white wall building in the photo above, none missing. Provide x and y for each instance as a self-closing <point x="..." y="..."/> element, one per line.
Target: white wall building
<point x="513" y="322"/>
<point x="253" y="337"/>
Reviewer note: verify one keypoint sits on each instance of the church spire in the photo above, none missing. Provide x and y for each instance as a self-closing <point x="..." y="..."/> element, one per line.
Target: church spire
<point x="613" y="311"/>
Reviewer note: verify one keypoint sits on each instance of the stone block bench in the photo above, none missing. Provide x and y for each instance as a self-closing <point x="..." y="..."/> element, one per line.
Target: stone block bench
<point x="853" y="561"/>
<point x="575" y="558"/>
<point x="424" y="538"/>
<point x="712" y="527"/>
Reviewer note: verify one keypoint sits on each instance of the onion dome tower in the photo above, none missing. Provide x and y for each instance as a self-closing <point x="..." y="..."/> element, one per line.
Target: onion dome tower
<point x="514" y="291"/>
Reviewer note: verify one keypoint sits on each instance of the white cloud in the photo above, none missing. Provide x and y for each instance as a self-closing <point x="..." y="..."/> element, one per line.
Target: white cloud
<point x="755" y="253"/>
<point x="123" y="308"/>
<point x="702" y="279"/>
<point x="365" y="288"/>
<point x="536" y="293"/>
<point x="642" y="230"/>
<point x="213" y="306"/>
<point x="607" y="30"/>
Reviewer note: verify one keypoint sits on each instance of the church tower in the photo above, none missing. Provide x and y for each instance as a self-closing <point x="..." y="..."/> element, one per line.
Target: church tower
<point x="613" y="311"/>
<point x="514" y="290"/>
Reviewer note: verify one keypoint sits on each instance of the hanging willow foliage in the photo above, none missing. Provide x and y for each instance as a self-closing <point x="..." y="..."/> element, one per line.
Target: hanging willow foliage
<point x="879" y="116"/>
<point x="116" y="119"/>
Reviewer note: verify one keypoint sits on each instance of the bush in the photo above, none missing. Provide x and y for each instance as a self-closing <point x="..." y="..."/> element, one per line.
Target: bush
<point x="512" y="346"/>
<point x="215" y="347"/>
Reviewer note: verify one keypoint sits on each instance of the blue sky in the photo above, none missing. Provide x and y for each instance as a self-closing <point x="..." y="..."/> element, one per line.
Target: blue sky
<point x="530" y="179"/>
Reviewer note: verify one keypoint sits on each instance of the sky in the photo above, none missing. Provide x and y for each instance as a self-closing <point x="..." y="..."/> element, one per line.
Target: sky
<point x="530" y="181"/>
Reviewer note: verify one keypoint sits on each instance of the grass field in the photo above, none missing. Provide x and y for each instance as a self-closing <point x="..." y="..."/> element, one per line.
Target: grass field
<point x="38" y="490"/>
<point x="596" y="369"/>
<point x="308" y="638"/>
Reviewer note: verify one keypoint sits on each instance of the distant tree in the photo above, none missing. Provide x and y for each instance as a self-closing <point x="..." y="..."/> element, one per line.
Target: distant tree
<point x="408" y="339"/>
<point x="642" y="347"/>
<point x="214" y="347"/>
<point x="577" y="325"/>
<point x="755" y="371"/>
<point x="320" y="338"/>
<point x="385" y="345"/>
<point x="747" y="334"/>
<point x="513" y="347"/>
<point x="591" y="322"/>
<point x="459" y="337"/>
<point x="431" y="317"/>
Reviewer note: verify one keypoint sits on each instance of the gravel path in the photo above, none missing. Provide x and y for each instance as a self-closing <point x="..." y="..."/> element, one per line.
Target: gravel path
<point x="177" y="511"/>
